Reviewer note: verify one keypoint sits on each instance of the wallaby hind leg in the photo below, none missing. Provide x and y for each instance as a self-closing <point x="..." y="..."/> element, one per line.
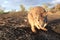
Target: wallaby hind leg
<point x="37" y="25"/>
<point x="43" y="28"/>
<point x="33" y="28"/>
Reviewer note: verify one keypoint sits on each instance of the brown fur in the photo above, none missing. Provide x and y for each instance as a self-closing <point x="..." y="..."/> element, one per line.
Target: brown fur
<point x="36" y="18"/>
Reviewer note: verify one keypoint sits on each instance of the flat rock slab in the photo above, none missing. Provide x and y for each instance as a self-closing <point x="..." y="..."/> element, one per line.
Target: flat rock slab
<point x="25" y="33"/>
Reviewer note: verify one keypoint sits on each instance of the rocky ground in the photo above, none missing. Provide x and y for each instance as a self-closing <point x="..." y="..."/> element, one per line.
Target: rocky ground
<point x="16" y="28"/>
